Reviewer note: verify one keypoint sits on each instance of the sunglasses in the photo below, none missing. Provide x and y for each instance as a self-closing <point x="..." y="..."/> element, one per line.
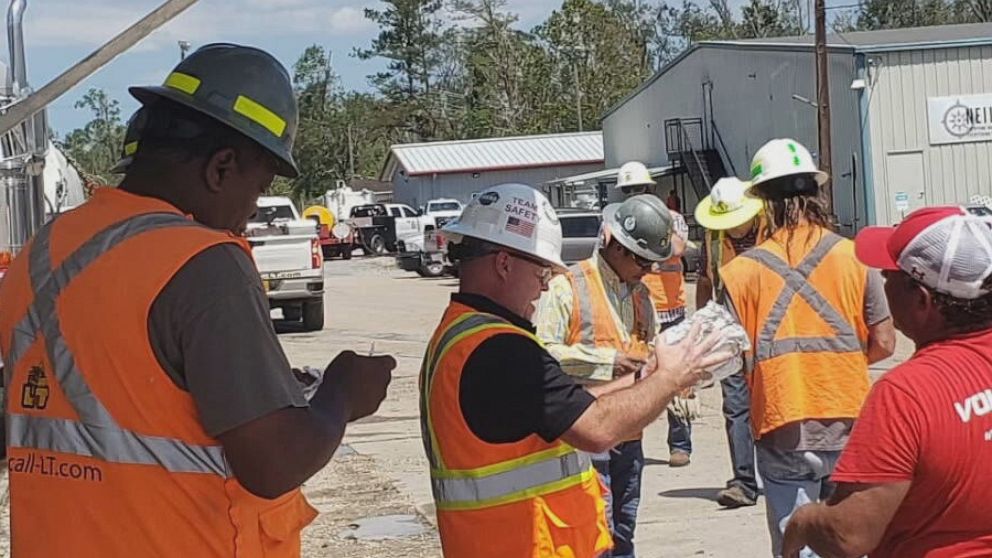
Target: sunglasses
<point x="642" y="263"/>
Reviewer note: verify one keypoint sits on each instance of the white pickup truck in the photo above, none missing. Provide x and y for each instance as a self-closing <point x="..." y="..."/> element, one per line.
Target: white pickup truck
<point x="288" y="255"/>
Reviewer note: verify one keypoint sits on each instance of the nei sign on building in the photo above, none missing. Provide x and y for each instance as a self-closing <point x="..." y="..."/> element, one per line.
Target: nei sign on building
<point x="959" y="119"/>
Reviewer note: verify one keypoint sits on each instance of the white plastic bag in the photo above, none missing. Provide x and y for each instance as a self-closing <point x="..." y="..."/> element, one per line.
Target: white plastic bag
<point x="715" y="317"/>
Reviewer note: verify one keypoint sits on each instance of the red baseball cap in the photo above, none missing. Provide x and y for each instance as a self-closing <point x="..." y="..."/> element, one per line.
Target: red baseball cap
<point x="945" y="248"/>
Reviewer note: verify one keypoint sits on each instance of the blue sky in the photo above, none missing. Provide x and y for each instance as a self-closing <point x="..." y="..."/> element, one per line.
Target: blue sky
<point x="59" y="33"/>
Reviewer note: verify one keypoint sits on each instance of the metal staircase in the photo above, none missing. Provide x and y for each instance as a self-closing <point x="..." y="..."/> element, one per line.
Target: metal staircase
<point x="692" y="150"/>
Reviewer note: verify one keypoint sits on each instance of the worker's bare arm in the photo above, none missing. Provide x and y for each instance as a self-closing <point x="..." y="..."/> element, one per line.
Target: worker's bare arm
<point x="624" y="407"/>
<point x="278" y="452"/>
<point x="881" y="341"/>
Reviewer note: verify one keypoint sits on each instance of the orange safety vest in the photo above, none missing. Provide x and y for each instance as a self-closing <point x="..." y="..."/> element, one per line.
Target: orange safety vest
<point x="527" y="499"/>
<point x="667" y="286"/>
<point x="595" y="323"/>
<point x="107" y="456"/>
<point x="803" y="309"/>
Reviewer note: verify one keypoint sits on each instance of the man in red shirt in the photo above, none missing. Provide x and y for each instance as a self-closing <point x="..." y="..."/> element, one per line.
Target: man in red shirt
<point x="913" y="480"/>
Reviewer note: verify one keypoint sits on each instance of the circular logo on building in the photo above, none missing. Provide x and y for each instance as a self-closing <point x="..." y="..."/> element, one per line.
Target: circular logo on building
<point x="489" y="198"/>
<point x="957" y="120"/>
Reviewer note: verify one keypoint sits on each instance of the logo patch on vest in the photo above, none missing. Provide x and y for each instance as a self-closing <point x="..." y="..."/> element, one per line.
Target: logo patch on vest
<point x="34" y="392"/>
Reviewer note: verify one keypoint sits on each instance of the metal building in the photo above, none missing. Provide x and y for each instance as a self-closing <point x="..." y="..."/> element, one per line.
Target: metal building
<point x="911" y="116"/>
<point x="459" y="169"/>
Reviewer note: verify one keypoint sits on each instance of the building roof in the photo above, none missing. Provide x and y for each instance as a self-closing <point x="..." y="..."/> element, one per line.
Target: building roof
<point x="889" y="39"/>
<point x="886" y="40"/>
<point x="479" y="155"/>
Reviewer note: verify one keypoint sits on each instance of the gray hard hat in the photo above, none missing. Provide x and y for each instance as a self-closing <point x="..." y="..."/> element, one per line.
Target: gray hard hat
<point x="643" y="225"/>
<point x="242" y="87"/>
<point x="135" y="126"/>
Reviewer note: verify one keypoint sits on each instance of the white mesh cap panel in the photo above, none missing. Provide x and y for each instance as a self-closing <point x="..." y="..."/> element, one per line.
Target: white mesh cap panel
<point x="952" y="256"/>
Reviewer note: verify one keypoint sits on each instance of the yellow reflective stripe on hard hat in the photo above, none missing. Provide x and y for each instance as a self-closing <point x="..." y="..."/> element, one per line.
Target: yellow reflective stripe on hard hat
<point x="517" y="496"/>
<point x="131" y="148"/>
<point x="183" y="82"/>
<point x="260" y="115"/>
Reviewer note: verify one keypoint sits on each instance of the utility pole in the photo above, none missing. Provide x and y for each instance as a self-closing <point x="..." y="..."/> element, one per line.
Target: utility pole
<point x="351" y="154"/>
<point x="184" y="47"/>
<point x="823" y="101"/>
<point x="578" y="93"/>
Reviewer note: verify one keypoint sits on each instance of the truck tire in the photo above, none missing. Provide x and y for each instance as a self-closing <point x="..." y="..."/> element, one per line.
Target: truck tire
<point x="313" y="315"/>
<point x="377" y="244"/>
<point x="292" y="313"/>
<point x="432" y="269"/>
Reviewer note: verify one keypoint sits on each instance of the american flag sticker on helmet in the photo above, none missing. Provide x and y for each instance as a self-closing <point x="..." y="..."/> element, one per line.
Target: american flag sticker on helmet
<point x="520" y="227"/>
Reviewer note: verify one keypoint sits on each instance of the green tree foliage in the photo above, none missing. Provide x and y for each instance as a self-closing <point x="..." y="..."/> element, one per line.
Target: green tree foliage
<point x="410" y="38"/>
<point x="96" y="147"/>
<point x="599" y="54"/>
<point x="466" y="69"/>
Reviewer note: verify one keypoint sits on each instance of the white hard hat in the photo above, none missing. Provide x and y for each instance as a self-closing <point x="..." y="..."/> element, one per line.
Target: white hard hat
<point x="728" y="205"/>
<point x="515" y="216"/>
<point x="783" y="158"/>
<point x="634" y="173"/>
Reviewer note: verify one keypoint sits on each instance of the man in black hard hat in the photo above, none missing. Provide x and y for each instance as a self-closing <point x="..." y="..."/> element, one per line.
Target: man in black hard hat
<point x="160" y="374"/>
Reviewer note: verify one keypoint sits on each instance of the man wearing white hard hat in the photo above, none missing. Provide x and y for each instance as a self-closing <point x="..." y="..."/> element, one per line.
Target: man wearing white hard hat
<point x="913" y="479"/>
<point x="734" y="224"/>
<point x="598" y="321"/>
<point x="634" y="178"/>
<point x="817" y="318"/>
<point x="501" y="421"/>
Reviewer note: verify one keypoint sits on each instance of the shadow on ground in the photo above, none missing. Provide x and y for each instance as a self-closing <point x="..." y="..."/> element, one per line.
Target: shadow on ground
<point x="697" y="493"/>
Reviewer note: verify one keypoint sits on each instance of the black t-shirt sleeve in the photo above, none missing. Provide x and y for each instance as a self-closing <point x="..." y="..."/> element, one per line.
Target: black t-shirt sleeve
<point x="512" y="388"/>
<point x="211" y="332"/>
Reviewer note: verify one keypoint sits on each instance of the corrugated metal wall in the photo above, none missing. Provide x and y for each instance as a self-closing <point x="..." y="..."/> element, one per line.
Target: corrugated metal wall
<point x="752" y="102"/>
<point x="904" y="163"/>
<point x="417" y="190"/>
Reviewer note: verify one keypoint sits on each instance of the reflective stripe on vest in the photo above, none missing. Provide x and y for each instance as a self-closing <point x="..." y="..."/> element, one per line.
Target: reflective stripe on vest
<point x="461" y="327"/>
<point x="510" y="482"/>
<point x="714" y="254"/>
<point x="766" y="346"/>
<point x="500" y="483"/>
<point x="96" y="434"/>
<point x="670" y="267"/>
<point x="587" y="330"/>
<point x="583" y="295"/>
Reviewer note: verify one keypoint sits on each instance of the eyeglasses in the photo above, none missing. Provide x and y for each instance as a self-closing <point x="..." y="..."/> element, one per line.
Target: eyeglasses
<point x="546" y="274"/>
<point x="642" y="263"/>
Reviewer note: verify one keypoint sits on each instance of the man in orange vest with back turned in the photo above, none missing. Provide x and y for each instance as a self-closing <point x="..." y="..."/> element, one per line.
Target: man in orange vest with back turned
<point x="501" y="421"/>
<point x="816" y="318"/>
<point x="150" y="408"/>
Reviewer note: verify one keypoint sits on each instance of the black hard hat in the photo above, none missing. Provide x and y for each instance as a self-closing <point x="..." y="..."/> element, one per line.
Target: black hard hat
<point x="643" y="225"/>
<point x="242" y="87"/>
<point x="135" y="126"/>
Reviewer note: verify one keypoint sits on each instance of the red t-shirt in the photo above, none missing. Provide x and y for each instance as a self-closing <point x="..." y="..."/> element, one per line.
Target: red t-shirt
<point x="929" y="421"/>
